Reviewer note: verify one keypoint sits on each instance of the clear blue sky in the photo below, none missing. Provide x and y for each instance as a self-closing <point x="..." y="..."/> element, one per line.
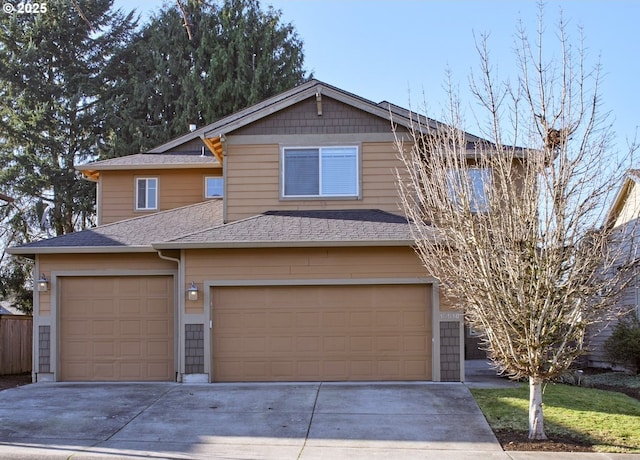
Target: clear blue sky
<point x="398" y="50"/>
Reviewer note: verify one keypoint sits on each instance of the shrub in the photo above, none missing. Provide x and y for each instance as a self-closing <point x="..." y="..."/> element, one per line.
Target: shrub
<point x="623" y="347"/>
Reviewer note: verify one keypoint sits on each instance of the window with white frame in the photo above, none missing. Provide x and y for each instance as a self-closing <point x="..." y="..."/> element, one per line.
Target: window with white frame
<point x="478" y="186"/>
<point x="320" y="172"/>
<point x="214" y="187"/>
<point x="146" y="193"/>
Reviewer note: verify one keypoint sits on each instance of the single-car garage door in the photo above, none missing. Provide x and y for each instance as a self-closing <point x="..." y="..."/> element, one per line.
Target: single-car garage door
<point x="116" y="328"/>
<point x="321" y="333"/>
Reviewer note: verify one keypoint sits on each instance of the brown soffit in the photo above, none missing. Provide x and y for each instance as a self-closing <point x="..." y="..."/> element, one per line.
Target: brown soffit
<point x="215" y="145"/>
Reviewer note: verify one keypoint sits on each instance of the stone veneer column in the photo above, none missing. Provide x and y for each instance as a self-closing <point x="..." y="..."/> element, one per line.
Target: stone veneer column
<point x="194" y="348"/>
<point x="449" y="351"/>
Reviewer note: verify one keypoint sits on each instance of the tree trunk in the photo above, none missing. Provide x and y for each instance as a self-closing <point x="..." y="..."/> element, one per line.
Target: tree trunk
<point x="536" y="419"/>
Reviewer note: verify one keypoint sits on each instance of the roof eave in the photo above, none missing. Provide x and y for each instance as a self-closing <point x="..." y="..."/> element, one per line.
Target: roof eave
<point x="92" y="168"/>
<point x="282" y="244"/>
<point x="31" y="252"/>
<point x="618" y="202"/>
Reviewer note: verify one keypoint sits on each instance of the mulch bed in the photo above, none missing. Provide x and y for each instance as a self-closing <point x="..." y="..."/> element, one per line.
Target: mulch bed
<point x="632" y="392"/>
<point x="511" y="440"/>
<point x="12" y="381"/>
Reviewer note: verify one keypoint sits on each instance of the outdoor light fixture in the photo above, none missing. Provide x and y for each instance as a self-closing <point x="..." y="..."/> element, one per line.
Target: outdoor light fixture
<point x="43" y="283"/>
<point x="192" y="292"/>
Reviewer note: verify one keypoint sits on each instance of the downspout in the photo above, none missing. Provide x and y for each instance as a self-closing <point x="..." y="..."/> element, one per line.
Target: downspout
<point x="180" y="305"/>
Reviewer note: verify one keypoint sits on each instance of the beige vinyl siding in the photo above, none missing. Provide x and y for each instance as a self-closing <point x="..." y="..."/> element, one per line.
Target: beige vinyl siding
<point x="94" y="262"/>
<point x="176" y="188"/>
<point x="253" y="181"/>
<point x="298" y="263"/>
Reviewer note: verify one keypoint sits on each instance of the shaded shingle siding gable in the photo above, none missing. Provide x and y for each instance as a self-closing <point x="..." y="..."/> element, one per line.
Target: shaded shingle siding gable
<point x="193" y="146"/>
<point x="303" y="118"/>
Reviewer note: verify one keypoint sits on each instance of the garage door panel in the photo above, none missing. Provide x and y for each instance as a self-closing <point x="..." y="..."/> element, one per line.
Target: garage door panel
<point x="116" y="328"/>
<point x="332" y="344"/>
<point x="321" y="333"/>
<point x="360" y="319"/>
<point x="361" y="344"/>
<point x="158" y="348"/>
<point x="99" y="327"/>
<point x="158" y="328"/>
<point x="280" y="319"/>
<point x="281" y="344"/>
<point x="130" y="327"/>
<point x="307" y="319"/>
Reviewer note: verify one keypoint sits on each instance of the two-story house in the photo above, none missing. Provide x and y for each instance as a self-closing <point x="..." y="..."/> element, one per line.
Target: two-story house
<point x="267" y="246"/>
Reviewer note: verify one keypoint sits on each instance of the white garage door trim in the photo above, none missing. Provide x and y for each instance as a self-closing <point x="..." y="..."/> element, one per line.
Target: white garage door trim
<point x="435" y="306"/>
<point x="53" y="320"/>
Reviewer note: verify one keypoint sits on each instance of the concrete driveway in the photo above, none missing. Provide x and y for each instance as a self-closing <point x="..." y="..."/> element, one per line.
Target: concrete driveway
<point x="244" y="421"/>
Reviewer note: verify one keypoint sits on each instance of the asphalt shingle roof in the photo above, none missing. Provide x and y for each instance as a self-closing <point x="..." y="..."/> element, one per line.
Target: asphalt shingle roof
<point x="149" y="159"/>
<point x="201" y="226"/>
<point x="139" y="231"/>
<point x="291" y="228"/>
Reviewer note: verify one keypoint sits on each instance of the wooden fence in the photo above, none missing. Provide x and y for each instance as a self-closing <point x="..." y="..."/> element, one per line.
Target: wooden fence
<point x="16" y="343"/>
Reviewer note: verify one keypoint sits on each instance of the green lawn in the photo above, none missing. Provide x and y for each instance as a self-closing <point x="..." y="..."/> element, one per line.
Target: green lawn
<point x="609" y="420"/>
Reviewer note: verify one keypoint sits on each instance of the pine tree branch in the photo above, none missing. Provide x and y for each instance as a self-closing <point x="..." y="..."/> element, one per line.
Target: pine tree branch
<point x="186" y="24"/>
<point x="81" y="13"/>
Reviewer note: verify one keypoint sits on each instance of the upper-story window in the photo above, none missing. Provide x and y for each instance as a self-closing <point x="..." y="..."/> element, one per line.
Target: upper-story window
<point x="213" y="187"/>
<point x="146" y="193"/>
<point x="320" y="172"/>
<point x="479" y="185"/>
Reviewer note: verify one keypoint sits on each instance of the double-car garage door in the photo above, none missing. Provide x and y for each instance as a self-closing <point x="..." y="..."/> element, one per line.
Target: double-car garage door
<point x="321" y="333"/>
<point x="117" y="328"/>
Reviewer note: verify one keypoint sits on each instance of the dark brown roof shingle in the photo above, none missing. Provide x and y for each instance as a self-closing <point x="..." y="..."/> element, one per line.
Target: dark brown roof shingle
<point x="138" y="232"/>
<point x="303" y="228"/>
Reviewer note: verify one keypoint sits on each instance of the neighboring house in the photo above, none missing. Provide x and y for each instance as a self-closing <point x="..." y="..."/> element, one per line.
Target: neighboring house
<point x="267" y="246"/>
<point x="623" y="217"/>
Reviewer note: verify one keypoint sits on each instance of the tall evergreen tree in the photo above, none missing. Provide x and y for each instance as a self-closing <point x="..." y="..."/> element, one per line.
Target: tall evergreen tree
<point x="195" y="62"/>
<point x="54" y="74"/>
<point x="55" y="69"/>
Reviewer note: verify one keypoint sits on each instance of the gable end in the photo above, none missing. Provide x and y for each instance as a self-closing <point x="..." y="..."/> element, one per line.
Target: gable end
<point x="303" y="118"/>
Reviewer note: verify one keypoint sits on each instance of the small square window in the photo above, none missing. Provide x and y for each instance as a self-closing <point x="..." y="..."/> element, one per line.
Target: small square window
<point x="146" y="193"/>
<point x="214" y="187"/>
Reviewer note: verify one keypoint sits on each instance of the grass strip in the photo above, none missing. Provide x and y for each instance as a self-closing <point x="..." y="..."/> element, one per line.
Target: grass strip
<point x="609" y="420"/>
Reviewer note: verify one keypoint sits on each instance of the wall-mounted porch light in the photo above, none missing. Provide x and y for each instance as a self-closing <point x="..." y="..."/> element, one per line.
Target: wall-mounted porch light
<point x="192" y="292"/>
<point x="42" y="283"/>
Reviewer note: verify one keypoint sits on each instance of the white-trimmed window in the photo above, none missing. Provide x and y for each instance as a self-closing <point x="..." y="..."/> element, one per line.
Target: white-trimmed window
<point x="320" y="172"/>
<point x="213" y="187"/>
<point x="479" y="185"/>
<point x="146" y="193"/>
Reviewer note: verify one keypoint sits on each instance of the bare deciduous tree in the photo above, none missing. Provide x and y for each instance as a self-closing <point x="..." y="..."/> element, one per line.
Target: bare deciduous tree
<point x="518" y="242"/>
